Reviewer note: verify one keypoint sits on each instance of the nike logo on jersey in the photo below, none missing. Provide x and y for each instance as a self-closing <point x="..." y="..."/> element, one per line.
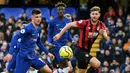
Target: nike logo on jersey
<point x="57" y="24"/>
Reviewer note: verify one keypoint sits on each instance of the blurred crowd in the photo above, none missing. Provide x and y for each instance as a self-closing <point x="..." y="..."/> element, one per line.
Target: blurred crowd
<point x="113" y="54"/>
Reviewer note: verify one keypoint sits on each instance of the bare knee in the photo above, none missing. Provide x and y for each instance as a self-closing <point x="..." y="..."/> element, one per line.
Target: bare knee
<point x="7" y="71"/>
<point x="45" y="69"/>
<point x="95" y="62"/>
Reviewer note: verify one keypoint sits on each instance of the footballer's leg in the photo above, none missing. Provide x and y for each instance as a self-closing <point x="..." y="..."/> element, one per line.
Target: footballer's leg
<point x="83" y="59"/>
<point x="40" y="65"/>
<point x="63" y="64"/>
<point x="95" y="64"/>
<point x="22" y="65"/>
<point x="11" y="65"/>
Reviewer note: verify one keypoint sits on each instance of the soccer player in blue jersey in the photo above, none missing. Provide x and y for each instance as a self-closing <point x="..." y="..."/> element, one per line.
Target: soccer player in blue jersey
<point x="14" y="48"/>
<point x="55" y="26"/>
<point x="30" y="36"/>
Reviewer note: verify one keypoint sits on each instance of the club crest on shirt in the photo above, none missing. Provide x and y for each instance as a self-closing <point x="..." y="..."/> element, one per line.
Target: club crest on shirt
<point x="80" y="21"/>
<point x="57" y="24"/>
<point x="22" y="31"/>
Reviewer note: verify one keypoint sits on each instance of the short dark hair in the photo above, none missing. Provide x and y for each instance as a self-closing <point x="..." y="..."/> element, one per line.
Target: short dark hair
<point x="60" y="4"/>
<point x="36" y="11"/>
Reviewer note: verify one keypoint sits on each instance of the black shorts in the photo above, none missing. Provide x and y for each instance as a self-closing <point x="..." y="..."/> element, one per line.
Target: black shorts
<point x="83" y="57"/>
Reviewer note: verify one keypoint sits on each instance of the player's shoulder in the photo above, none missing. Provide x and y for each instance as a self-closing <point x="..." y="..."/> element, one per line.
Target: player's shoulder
<point x="82" y="21"/>
<point x="27" y="28"/>
<point x="66" y="18"/>
<point x="102" y="23"/>
<point x="52" y="21"/>
<point x="39" y="29"/>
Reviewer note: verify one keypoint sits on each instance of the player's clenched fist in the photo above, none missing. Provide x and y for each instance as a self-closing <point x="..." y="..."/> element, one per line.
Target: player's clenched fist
<point x="51" y="56"/>
<point x="7" y="58"/>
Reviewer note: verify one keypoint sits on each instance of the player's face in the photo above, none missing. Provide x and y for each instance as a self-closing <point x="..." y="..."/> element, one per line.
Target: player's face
<point x="36" y="18"/>
<point x="94" y="15"/>
<point x="61" y="10"/>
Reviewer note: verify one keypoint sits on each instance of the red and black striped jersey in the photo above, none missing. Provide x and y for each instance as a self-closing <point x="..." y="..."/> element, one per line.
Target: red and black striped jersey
<point x="88" y="32"/>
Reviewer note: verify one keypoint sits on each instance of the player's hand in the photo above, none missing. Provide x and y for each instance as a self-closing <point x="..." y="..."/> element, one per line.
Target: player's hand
<point x="51" y="56"/>
<point x="101" y="31"/>
<point x="7" y="58"/>
<point x="56" y="37"/>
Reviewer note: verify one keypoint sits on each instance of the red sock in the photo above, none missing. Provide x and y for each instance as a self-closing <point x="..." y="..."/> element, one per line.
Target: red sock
<point x="70" y="71"/>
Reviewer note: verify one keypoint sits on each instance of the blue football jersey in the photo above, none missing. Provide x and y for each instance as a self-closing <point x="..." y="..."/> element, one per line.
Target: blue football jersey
<point x="14" y="45"/>
<point x="55" y="26"/>
<point x="30" y="36"/>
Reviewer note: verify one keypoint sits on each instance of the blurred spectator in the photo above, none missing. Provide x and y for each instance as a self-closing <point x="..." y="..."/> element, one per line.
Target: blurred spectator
<point x="16" y="2"/>
<point x="1" y="37"/>
<point x="120" y="13"/>
<point x="112" y="71"/>
<point x="32" y="2"/>
<point x="127" y="52"/>
<point x="74" y="17"/>
<point x="110" y="12"/>
<point x="113" y="45"/>
<point x="100" y="55"/>
<point x="43" y="36"/>
<point x="126" y="31"/>
<point x="114" y="64"/>
<point x="18" y="23"/>
<point x="51" y="18"/>
<point x="120" y="34"/>
<point x="118" y="55"/>
<point x="24" y="17"/>
<point x="126" y="45"/>
<point x="83" y="4"/>
<point x="127" y="19"/>
<point x="2" y="17"/>
<point x="105" y="44"/>
<point x="105" y="67"/>
<point x="2" y="26"/>
<point x="8" y="35"/>
<point x="127" y="62"/>
<point x="111" y="26"/>
<point x="10" y="24"/>
<point x="108" y="56"/>
<point x="44" y="25"/>
<point x="120" y="44"/>
<point x="119" y="24"/>
<point x="127" y="69"/>
<point x="43" y="2"/>
<point x="117" y="70"/>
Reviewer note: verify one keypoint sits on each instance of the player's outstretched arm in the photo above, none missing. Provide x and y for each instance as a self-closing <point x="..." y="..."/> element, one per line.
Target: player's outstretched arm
<point x="67" y="27"/>
<point x="104" y="33"/>
<point x="41" y="46"/>
<point x="50" y="32"/>
<point x="12" y="48"/>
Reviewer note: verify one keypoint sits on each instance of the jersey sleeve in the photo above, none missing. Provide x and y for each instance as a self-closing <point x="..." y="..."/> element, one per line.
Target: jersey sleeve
<point x="103" y="26"/>
<point x="40" y="45"/>
<point x="13" y="44"/>
<point x="81" y="23"/>
<point x="69" y="37"/>
<point x="50" y="32"/>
